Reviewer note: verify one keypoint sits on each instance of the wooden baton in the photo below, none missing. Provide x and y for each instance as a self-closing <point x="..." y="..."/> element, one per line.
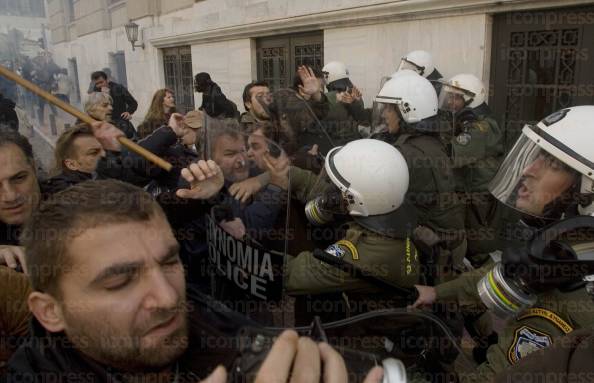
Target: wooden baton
<point x="129" y="144"/>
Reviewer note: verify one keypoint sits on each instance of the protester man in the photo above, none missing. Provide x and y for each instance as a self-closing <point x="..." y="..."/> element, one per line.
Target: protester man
<point x="254" y="94"/>
<point x="229" y="152"/>
<point x="124" y="105"/>
<point x="119" y="310"/>
<point x="76" y="155"/>
<point x="99" y="105"/>
<point x="19" y="195"/>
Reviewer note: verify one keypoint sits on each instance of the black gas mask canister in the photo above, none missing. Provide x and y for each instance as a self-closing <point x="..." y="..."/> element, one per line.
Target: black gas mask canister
<point x="322" y="210"/>
<point x="560" y="255"/>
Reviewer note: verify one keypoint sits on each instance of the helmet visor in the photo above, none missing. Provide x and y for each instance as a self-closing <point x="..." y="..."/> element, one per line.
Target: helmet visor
<point x="385" y="117"/>
<point x="530" y="179"/>
<point x="453" y="99"/>
<point x="405" y="64"/>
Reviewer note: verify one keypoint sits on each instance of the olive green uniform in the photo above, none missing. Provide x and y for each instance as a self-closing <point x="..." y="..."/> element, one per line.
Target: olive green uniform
<point x="555" y="313"/>
<point x="393" y="260"/>
<point x="343" y="119"/>
<point x="340" y="124"/>
<point x="432" y="191"/>
<point x="477" y="151"/>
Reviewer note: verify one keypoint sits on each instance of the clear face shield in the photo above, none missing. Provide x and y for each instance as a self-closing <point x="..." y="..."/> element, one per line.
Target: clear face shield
<point x="453" y="99"/>
<point x="385" y="118"/>
<point x="405" y="64"/>
<point x="532" y="180"/>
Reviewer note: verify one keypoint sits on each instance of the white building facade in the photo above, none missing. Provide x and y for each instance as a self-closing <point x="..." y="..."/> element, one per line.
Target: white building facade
<point x="525" y="46"/>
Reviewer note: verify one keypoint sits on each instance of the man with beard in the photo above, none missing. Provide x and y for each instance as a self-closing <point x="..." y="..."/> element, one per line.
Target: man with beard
<point x="254" y="94"/>
<point x="20" y="193"/>
<point x="109" y="299"/>
<point x="258" y="213"/>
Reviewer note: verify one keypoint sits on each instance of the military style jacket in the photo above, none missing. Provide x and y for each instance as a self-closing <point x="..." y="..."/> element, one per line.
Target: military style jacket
<point x="556" y="313"/>
<point x="394" y="260"/>
<point x="476" y="149"/>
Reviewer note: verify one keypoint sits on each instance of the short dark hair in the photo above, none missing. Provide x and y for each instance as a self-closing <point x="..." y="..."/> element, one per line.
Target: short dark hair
<point x="64" y="145"/>
<point x="98" y="74"/>
<point x="68" y="214"/>
<point x="10" y="136"/>
<point x="297" y="80"/>
<point x="246" y="91"/>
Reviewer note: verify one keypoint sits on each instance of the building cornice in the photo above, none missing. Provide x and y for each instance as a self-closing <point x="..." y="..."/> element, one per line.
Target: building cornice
<point x="360" y="16"/>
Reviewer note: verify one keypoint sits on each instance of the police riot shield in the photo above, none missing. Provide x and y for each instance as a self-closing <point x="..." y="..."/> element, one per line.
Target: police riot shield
<point x="256" y="223"/>
<point x="247" y="227"/>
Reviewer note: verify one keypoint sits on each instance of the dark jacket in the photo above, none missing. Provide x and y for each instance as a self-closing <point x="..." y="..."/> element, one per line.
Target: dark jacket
<point x="216" y="104"/>
<point x="261" y="213"/>
<point x="66" y="179"/>
<point x="122" y="102"/>
<point x="51" y="357"/>
<point x="122" y="99"/>
<point x="163" y="142"/>
<point x="132" y="168"/>
<point x="9" y="234"/>
<point x="126" y="127"/>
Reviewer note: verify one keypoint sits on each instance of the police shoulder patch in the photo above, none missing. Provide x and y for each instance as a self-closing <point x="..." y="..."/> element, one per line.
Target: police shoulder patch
<point x="336" y="250"/>
<point x="343" y="247"/>
<point x="527" y="340"/>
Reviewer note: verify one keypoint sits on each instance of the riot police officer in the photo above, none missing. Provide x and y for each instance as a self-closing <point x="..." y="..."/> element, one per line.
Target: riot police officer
<point x="475" y="144"/>
<point x="346" y="107"/>
<point x="362" y="192"/>
<point x="405" y="115"/>
<point x="549" y="177"/>
<point x="422" y="62"/>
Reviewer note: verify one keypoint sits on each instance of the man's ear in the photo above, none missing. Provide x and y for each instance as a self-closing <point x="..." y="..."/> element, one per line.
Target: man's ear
<point x="247" y="105"/>
<point x="71" y="164"/>
<point x="47" y="311"/>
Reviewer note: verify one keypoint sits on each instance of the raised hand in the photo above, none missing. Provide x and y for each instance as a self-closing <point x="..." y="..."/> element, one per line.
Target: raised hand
<point x="205" y="178"/>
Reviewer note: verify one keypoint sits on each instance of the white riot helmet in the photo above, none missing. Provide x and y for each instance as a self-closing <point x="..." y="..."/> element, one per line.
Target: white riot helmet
<point x="372" y="174"/>
<point x="336" y="75"/>
<point x="335" y="70"/>
<point x="467" y="86"/>
<point x="560" y="149"/>
<point x="410" y="96"/>
<point x="370" y="181"/>
<point x="419" y="61"/>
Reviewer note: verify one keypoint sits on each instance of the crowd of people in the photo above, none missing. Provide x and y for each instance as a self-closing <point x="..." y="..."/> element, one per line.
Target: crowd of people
<point x="109" y="269"/>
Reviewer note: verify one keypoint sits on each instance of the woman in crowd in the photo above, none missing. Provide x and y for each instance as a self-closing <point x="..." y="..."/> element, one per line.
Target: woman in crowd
<point x="162" y="106"/>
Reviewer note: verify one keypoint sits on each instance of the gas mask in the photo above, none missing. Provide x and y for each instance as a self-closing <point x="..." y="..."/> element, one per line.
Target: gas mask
<point x="323" y="209"/>
<point x="560" y="255"/>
